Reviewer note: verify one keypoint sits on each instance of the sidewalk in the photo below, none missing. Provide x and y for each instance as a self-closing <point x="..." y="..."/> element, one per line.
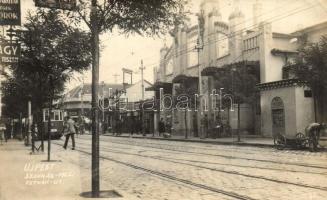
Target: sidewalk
<point x="29" y="177"/>
<point x="245" y="141"/>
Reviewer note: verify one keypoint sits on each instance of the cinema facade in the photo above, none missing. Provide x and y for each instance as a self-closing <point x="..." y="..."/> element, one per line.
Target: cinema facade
<point x="283" y="104"/>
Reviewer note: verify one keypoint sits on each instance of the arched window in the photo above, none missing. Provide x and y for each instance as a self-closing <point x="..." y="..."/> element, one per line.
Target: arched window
<point x="278" y="116"/>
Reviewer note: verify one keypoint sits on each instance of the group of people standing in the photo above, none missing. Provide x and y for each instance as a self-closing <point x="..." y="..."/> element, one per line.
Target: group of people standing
<point x="209" y="127"/>
<point x="132" y="125"/>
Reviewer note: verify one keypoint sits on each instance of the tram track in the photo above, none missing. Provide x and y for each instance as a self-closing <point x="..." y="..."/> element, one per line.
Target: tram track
<point x="223" y="164"/>
<point x="106" y="149"/>
<point x="249" y="150"/>
<point x="173" y="178"/>
<point x="144" y="145"/>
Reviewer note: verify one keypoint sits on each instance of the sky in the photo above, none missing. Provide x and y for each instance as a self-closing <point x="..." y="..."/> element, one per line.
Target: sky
<point x="120" y="51"/>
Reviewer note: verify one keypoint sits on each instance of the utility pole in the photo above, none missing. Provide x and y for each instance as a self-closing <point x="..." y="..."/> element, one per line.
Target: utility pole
<point x="115" y="77"/>
<point x="82" y="105"/>
<point x="142" y="68"/>
<point x="95" y="99"/>
<point x="29" y="108"/>
<point x="49" y="116"/>
<point x="199" y="47"/>
<point x="1" y="91"/>
<point x="102" y="108"/>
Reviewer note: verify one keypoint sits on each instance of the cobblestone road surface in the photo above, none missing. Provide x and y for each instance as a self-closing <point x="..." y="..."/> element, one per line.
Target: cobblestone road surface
<point x="168" y="170"/>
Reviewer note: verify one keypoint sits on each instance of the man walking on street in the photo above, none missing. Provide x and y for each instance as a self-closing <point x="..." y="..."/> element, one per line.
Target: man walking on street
<point x="69" y="131"/>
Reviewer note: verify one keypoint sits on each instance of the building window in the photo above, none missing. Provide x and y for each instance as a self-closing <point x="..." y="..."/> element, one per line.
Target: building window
<point x="221" y="46"/>
<point x="308" y="93"/>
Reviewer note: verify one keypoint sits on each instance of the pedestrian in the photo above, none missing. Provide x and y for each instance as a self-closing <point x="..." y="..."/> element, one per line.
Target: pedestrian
<point x="69" y="131"/>
<point x="76" y="126"/>
<point x="118" y="127"/>
<point x="2" y="131"/>
<point x="162" y="128"/>
<point x="313" y="132"/>
<point x="218" y="127"/>
<point x="204" y="125"/>
<point x="195" y="126"/>
<point x="133" y="125"/>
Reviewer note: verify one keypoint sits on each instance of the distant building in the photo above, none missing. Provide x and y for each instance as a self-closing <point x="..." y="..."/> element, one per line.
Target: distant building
<point x="221" y="48"/>
<point x="77" y="102"/>
<point x="128" y="97"/>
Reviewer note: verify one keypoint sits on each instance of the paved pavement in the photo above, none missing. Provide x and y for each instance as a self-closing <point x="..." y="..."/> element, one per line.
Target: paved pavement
<point x="245" y="141"/>
<point x="169" y="170"/>
<point x="249" y="140"/>
<point x="150" y="169"/>
<point x="27" y="176"/>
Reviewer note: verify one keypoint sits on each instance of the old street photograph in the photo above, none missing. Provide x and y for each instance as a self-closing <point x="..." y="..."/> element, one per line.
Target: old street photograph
<point x="163" y="99"/>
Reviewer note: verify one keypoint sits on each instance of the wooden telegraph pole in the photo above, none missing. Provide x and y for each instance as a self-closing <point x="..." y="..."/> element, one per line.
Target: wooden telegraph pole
<point x="94" y="27"/>
<point x="95" y="87"/>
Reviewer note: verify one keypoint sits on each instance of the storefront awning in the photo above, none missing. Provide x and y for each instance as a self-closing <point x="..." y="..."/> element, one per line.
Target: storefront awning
<point x="250" y="66"/>
<point x="210" y="71"/>
<point x="157" y="85"/>
<point x="182" y="78"/>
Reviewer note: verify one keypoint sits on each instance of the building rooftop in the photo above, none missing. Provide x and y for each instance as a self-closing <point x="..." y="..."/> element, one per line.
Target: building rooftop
<point x="311" y="28"/>
<point x="86" y="89"/>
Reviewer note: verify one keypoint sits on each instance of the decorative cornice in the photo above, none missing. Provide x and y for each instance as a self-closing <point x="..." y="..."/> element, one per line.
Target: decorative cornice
<point x="280" y="84"/>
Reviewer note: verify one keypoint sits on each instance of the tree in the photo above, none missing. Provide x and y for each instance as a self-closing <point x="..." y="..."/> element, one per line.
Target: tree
<point x="144" y="17"/>
<point x="50" y="47"/>
<point x="239" y="81"/>
<point x="311" y="67"/>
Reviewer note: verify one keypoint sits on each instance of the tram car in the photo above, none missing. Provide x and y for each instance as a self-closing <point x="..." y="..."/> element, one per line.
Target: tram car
<point x="57" y="122"/>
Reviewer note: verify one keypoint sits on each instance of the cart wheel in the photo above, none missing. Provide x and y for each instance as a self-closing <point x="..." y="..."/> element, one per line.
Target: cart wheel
<point x="301" y="141"/>
<point x="279" y="142"/>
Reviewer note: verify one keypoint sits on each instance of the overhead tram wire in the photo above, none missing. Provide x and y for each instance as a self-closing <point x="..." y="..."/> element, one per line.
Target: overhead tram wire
<point x="250" y="19"/>
<point x="247" y="28"/>
<point x="294" y="11"/>
<point x="234" y="60"/>
<point x="215" y="41"/>
<point x="270" y="11"/>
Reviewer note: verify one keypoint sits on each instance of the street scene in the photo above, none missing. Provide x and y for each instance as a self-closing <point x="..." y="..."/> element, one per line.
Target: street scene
<point x="159" y="169"/>
<point x="163" y="99"/>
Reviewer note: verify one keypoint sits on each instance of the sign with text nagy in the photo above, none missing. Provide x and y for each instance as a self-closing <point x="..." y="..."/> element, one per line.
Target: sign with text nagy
<point x="9" y="52"/>
<point x="10" y="12"/>
<point x="58" y="4"/>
